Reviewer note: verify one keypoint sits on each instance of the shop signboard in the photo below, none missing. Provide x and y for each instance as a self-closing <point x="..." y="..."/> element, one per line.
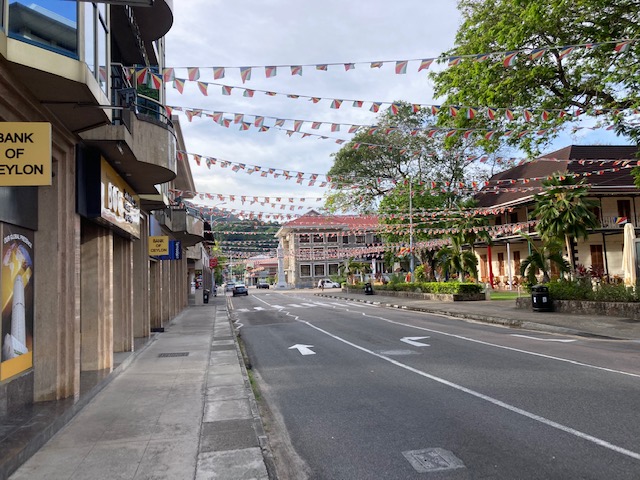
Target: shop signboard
<point x="25" y="154"/>
<point x="158" y="245"/>
<point x="120" y="204"/>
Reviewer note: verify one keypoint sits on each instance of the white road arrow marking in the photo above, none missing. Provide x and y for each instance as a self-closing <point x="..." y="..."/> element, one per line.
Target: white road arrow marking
<point x="544" y="339"/>
<point x="303" y="349"/>
<point x="258" y="308"/>
<point x="414" y="341"/>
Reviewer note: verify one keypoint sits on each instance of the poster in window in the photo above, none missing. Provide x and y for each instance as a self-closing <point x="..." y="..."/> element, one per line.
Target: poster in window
<point x="16" y="281"/>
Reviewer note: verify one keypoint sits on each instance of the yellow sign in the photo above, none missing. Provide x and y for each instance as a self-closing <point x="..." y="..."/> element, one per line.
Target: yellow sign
<point x="159" y="245"/>
<point x="25" y="154"/>
<point x="120" y="204"/>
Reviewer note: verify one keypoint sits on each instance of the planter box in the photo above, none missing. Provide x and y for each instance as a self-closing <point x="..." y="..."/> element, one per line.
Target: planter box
<point x="584" y="307"/>
<point x="439" y="297"/>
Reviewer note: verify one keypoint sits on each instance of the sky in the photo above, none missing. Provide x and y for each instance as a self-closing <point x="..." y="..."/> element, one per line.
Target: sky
<point x="240" y="33"/>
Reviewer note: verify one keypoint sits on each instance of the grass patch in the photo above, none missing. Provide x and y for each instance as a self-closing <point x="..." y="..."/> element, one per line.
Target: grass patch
<point x="498" y="295"/>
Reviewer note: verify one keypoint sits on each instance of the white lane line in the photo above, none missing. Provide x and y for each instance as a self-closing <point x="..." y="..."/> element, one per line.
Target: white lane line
<point x="309" y="304"/>
<point x="295" y="305"/>
<point x="258" y="308"/>
<point x="279" y="307"/>
<point x="495" y="401"/>
<point x="242" y="310"/>
<point x="543" y="339"/>
<point x="512" y="349"/>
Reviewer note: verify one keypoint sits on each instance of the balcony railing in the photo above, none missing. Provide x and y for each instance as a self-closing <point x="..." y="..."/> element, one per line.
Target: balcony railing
<point x="619" y="222"/>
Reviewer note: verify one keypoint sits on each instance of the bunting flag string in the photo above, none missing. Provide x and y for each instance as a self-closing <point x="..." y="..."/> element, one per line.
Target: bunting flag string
<point x="275" y="200"/>
<point x="435" y="187"/>
<point x="431" y="131"/>
<point x="507" y="58"/>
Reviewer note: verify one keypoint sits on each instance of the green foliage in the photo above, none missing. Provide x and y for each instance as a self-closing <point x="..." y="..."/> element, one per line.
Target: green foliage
<point x="433" y="287"/>
<point x="453" y="259"/>
<point x="420" y="274"/>
<point x="540" y="259"/>
<point x="586" y="79"/>
<point x="583" y="290"/>
<point x="363" y="176"/>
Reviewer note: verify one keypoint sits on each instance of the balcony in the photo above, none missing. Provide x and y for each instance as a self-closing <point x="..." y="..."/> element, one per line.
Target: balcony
<point x="184" y="227"/>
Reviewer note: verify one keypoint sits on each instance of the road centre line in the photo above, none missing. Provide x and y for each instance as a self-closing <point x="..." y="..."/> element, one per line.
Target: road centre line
<point x="499" y="403"/>
<point x="504" y="347"/>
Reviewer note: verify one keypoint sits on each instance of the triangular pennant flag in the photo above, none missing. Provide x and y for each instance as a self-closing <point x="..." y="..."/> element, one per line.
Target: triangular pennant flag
<point x="279" y="122"/>
<point x="193" y="73"/>
<point x="315" y="99"/>
<point x="349" y="66"/>
<point x="178" y="84"/>
<point x="296" y="70"/>
<point x="435" y="109"/>
<point x="394" y="108"/>
<point x="353" y="128"/>
<point x="528" y="115"/>
<point x="536" y="53"/>
<point x="270" y="72"/>
<point x="226" y="90"/>
<point x="491" y="113"/>
<point x="453" y="111"/>
<point x="297" y="124"/>
<point x="335" y="127"/>
<point x="168" y="74"/>
<point x="218" y="73"/>
<point x="141" y="76"/>
<point x="376" y="64"/>
<point x="238" y="117"/>
<point x="401" y="67"/>
<point x="375" y="106"/>
<point x="508" y="114"/>
<point x="425" y="64"/>
<point x="358" y="103"/>
<point x="245" y="125"/>
<point x="453" y="61"/>
<point x="509" y="59"/>
<point x="564" y="51"/>
<point x="248" y="93"/>
<point x="258" y="122"/>
<point x="203" y="88"/>
<point x="245" y="74"/>
<point x="155" y="81"/>
<point x="481" y="57"/>
<point x="622" y="46"/>
<point x="322" y="67"/>
<point x="316" y="125"/>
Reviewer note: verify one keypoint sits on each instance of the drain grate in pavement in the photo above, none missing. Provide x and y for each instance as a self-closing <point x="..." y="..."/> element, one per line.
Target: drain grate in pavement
<point x="175" y="354"/>
<point x="432" y="460"/>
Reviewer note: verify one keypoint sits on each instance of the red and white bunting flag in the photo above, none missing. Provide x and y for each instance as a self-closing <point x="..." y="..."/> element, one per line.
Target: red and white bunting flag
<point x="316" y="125"/>
<point x="401" y="67"/>
<point x="508" y="114"/>
<point x="358" y="103"/>
<point x="335" y="127"/>
<point x="349" y="66"/>
<point x="537" y="53"/>
<point x="315" y="99"/>
<point x="453" y="61"/>
<point x="259" y="121"/>
<point x="528" y="115"/>
<point x="270" y="72"/>
<point x="141" y="76"/>
<point x="248" y="93"/>
<point x="336" y="103"/>
<point x="238" y="117"/>
<point x="203" y="86"/>
<point x="394" y="109"/>
<point x="245" y="74"/>
<point x="155" y="81"/>
<point x="218" y="73"/>
<point x="425" y="64"/>
<point x="323" y="67"/>
<point x="226" y="90"/>
<point x="564" y="51"/>
<point x="435" y="109"/>
<point x="296" y="70"/>
<point x="217" y="117"/>
<point x="376" y="64"/>
<point x="193" y="73"/>
<point x="297" y="124"/>
<point x="353" y="128"/>
<point x="375" y="107"/>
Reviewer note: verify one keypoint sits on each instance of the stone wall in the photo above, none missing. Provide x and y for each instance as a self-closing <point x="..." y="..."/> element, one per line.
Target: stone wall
<point x="583" y="307"/>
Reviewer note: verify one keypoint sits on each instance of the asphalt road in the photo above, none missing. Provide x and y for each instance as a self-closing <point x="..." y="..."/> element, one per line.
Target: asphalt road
<point x="363" y="392"/>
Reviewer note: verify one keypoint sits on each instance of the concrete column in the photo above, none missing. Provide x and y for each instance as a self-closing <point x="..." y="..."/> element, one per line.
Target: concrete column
<point x="96" y="296"/>
<point x="57" y="283"/>
<point x="154" y="294"/>
<point x="141" y="278"/>
<point x="122" y="294"/>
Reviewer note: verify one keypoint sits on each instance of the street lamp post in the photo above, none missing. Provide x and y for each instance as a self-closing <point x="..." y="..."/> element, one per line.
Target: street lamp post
<point x="411" y="259"/>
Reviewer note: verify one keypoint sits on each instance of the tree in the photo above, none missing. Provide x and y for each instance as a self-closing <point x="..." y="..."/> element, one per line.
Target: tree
<point x="598" y="80"/>
<point x="564" y="212"/>
<point x="399" y="149"/>
<point x="541" y="258"/>
<point x="453" y="258"/>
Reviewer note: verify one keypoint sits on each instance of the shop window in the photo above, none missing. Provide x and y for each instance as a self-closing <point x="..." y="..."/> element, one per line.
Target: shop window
<point x="46" y="24"/>
<point x="318" y="270"/>
<point x="305" y="270"/>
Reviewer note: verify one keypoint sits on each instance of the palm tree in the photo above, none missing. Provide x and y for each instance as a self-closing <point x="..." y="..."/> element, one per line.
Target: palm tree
<point x="453" y="258"/>
<point x="541" y="258"/>
<point x="564" y="212"/>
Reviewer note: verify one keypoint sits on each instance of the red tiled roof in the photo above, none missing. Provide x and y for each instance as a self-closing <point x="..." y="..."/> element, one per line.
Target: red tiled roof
<point x="314" y="219"/>
<point x="560" y="161"/>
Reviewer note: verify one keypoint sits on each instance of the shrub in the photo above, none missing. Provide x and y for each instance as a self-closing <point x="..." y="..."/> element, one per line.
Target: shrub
<point x="582" y="289"/>
<point x="432" y="287"/>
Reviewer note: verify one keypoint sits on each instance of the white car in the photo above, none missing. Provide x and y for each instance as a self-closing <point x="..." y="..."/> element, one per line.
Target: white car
<point x="328" y="283"/>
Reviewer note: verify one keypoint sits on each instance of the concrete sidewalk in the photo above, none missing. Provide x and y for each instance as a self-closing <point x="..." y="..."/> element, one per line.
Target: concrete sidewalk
<point x="504" y="312"/>
<point x="183" y="409"/>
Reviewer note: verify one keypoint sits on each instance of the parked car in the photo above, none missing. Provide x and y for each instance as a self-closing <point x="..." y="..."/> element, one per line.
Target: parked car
<point x="328" y="283"/>
<point x="262" y="284"/>
<point x="228" y="287"/>
<point x="240" y="289"/>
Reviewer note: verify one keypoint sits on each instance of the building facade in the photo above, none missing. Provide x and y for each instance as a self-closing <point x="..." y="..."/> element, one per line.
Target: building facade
<point x="607" y="171"/>
<point x="315" y="245"/>
<point x="80" y="279"/>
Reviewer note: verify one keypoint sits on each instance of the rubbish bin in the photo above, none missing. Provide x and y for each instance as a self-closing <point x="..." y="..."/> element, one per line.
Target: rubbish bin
<point x="540" y="299"/>
<point x="205" y="296"/>
<point x="368" y="289"/>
